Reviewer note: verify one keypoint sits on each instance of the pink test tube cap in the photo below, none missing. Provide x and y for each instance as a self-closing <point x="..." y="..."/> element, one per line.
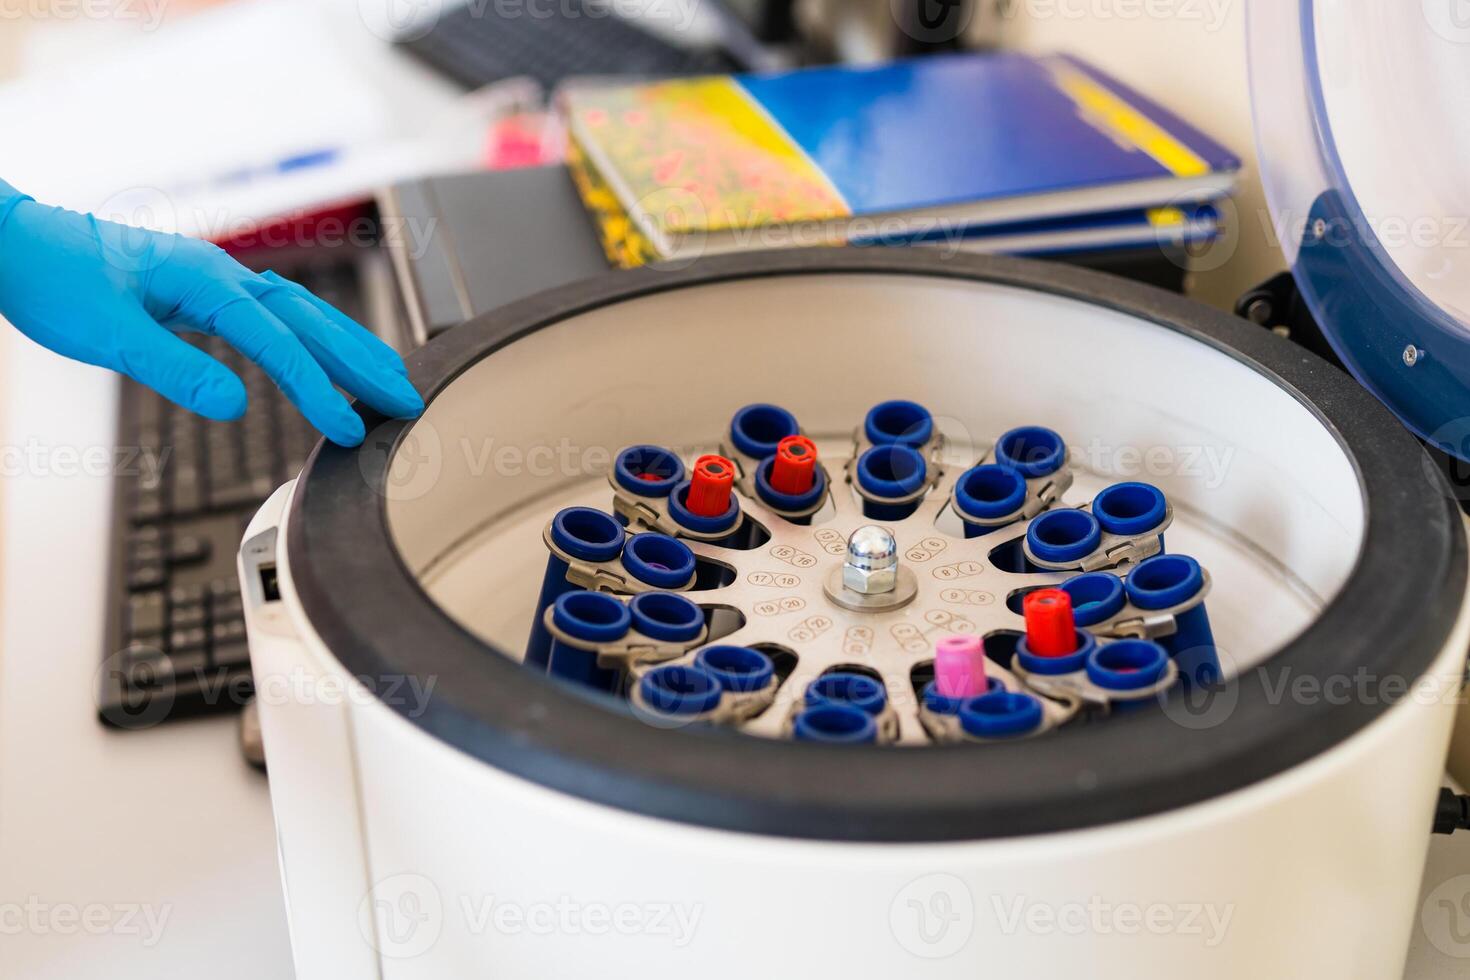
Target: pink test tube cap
<point x="959" y="667"/>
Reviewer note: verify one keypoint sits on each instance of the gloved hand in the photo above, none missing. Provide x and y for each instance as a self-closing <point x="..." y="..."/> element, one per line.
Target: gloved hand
<point x="115" y="296"/>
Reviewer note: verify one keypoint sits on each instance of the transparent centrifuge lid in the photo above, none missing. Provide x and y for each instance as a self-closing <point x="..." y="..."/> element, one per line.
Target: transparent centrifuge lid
<point x="1362" y="113"/>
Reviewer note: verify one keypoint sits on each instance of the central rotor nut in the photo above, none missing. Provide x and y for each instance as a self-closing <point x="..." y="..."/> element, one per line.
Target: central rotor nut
<point x="872" y="561"/>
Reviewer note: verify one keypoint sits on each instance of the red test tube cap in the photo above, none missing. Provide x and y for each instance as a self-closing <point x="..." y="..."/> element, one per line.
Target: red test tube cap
<point x="1051" y="630"/>
<point x="795" y="468"/>
<point x="710" y="486"/>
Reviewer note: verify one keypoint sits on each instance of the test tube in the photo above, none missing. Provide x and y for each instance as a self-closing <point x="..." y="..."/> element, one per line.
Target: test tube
<point x="851" y="689"/>
<point x="1130" y="510"/>
<point x="756" y="430"/>
<point x="1167" y="581"/>
<point x="790" y="479"/>
<point x="659" y="560"/>
<point x="590" y="618"/>
<point x="891" y="471"/>
<point x="648" y="471"/>
<point x="667" y="617"/>
<point x="706" y="503"/>
<point x="1053" y="645"/>
<point x="1063" y="537"/>
<point x="1001" y="714"/>
<point x="835" y="723"/>
<point x="959" y="667"/>
<point x="680" y="690"/>
<point x="1032" y="449"/>
<point x="585" y="534"/>
<point x="899" y="422"/>
<point x="740" y="670"/>
<point x="990" y="493"/>
<point x="1124" y="666"/>
<point x="1096" y="597"/>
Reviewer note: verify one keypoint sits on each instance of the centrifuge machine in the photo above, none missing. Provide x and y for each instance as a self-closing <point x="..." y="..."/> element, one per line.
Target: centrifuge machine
<point x="864" y="613"/>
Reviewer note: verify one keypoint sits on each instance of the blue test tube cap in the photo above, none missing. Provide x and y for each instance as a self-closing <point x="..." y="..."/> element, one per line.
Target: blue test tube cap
<point x="990" y="492"/>
<point x="679" y="689"/>
<point x="942" y="704"/>
<point x="648" y="471"/>
<point x="757" y="429"/>
<point x="1096" y="596"/>
<point x="891" y="471"/>
<point x="1064" y="536"/>
<point x="1130" y="509"/>
<point x="838" y="723"/>
<point x="666" y="616"/>
<point x="587" y="533"/>
<point x="659" y="560"/>
<point x="1164" y="581"/>
<point x="855" y="690"/>
<point x="899" y="422"/>
<point x="1001" y="714"/>
<point x="1127" y="665"/>
<point x="1032" y="449"/>
<point x="738" y="669"/>
<point x="592" y="617"/>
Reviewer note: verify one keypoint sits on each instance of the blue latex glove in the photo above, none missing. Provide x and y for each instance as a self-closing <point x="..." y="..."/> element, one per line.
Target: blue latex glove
<point x="115" y="296"/>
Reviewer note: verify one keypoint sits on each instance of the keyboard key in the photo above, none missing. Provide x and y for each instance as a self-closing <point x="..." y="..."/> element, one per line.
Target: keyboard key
<point x="143" y="578"/>
<point x="228" y="607"/>
<point x="183" y="617"/>
<point x="224" y="588"/>
<point x="232" y="655"/>
<point x="187" y="549"/>
<point x="188" y="664"/>
<point x="146" y="614"/>
<point x="228" y="631"/>
<point x="187" y="491"/>
<point x="147" y="506"/>
<point x="187" y="595"/>
<point x="180" y="641"/>
<point x="146" y="672"/>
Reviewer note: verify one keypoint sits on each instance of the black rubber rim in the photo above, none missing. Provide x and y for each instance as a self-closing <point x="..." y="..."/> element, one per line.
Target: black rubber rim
<point x="1390" y="620"/>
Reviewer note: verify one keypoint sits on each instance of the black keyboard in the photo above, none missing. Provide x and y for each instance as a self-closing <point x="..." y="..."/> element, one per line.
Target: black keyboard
<point x="187" y="488"/>
<point x="476" y="45"/>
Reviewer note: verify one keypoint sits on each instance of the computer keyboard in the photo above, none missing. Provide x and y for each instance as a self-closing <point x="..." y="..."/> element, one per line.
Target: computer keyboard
<point x="184" y="493"/>
<point x="478" y="44"/>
